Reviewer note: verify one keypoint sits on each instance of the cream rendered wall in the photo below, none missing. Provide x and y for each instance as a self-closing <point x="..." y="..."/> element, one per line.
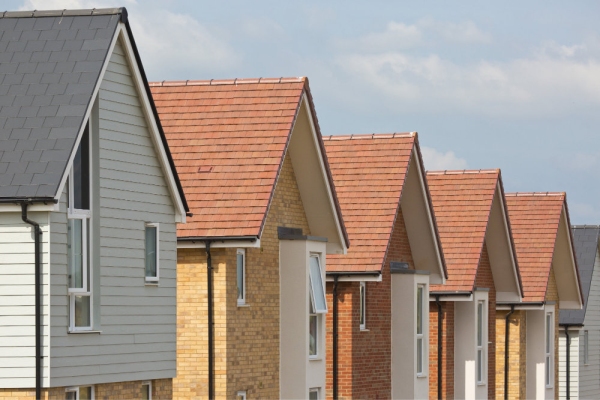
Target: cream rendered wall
<point x="405" y="383"/>
<point x="297" y="373"/>
<point x="17" y="300"/>
<point x="574" y="361"/>
<point x="465" y="348"/>
<point x="536" y="355"/>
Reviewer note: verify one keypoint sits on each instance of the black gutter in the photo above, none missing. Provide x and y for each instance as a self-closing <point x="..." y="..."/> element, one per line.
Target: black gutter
<point x="568" y="361"/>
<point x="335" y="337"/>
<point x="194" y="239"/>
<point x="338" y="274"/>
<point x="507" y="348"/>
<point x="211" y="329"/>
<point x="29" y="200"/>
<point x="440" y="347"/>
<point x="38" y="300"/>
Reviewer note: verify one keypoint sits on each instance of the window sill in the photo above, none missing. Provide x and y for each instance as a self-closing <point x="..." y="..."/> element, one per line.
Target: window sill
<point x="317" y="358"/>
<point x="365" y="330"/>
<point x="151" y="283"/>
<point x="421" y="376"/>
<point x="243" y="305"/>
<point x="79" y="332"/>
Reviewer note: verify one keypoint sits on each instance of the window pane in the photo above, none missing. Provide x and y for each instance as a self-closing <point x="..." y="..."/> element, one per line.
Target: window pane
<point x="75" y="253"/>
<point x="548" y="330"/>
<point x="313" y="395"/>
<point x="316" y="281"/>
<point x="585" y="347"/>
<point x="480" y="324"/>
<point x="81" y="173"/>
<point x="145" y="392"/>
<point x="419" y="356"/>
<point x="71" y="395"/>
<point x="547" y="370"/>
<point x="312" y="347"/>
<point x="479" y="365"/>
<point x="419" y="310"/>
<point x="82" y="311"/>
<point x="240" y="277"/>
<point x="85" y="393"/>
<point x="151" y="251"/>
<point x="362" y="304"/>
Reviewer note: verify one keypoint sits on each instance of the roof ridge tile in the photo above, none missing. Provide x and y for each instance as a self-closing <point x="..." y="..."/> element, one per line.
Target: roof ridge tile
<point x="463" y="171"/>
<point x="234" y="81"/>
<point x="370" y="136"/>
<point x="540" y="194"/>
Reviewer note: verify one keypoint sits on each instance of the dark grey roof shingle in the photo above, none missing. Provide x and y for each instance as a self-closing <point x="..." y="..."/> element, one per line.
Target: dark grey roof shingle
<point x="585" y="239"/>
<point x="50" y="62"/>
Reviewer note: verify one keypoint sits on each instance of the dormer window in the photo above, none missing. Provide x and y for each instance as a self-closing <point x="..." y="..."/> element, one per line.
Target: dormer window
<point x="78" y="238"/>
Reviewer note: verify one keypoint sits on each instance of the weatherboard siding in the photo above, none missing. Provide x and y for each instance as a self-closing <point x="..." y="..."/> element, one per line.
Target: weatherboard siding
<point x="17" y="299"/>
<point x="589" y="375"/>
<point x="137" y="321"/>
<point x="574" y="361"/>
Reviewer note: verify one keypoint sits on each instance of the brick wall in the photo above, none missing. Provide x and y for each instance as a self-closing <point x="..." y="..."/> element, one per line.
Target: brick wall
<point x="447" y="350"/>
<point x="517" y="361"/>
<point x="162" y="389"/>
<point x="484" y="279"/>
<point x="246" y="338"/>
<point x="365" y="356"/>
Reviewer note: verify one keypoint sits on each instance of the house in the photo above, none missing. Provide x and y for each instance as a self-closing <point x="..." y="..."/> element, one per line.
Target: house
<point x="482" y="267"/>
<point x="579" y="363"/>
<point x="252" y="259"/>
<point x="89" y="201"/>
<point x="377" y="325"/>
<point x="542" y="235"/>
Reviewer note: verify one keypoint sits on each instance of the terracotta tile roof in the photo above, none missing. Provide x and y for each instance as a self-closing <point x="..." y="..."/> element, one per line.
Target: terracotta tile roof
<point x="534" y="219"/>
<point x="368" y="172"/>
<point x="228" y="139"/>
<point x="462" y="202"/>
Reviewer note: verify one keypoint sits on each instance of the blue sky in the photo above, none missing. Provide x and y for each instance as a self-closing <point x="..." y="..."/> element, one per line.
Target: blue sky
<point x="510" y="85"/>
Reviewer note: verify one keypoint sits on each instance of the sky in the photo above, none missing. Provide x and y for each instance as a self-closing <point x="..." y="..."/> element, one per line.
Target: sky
<point x="512" y="85"/>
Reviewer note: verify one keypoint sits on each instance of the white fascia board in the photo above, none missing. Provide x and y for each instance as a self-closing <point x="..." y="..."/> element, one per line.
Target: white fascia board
<point x="355" y="278"/>
<point x="523" y="306"/>
<point x="8" y="207"/>
<point x="152" y="125"/>
<point x="338" y="225"/>
<point x="225" y="244"/>
<point x="570" y="305"/>
<point x="510" y="242"/>
<point x="452" y="298"/>
<point x="415" y="156"/>
<point x="88" y="112"/>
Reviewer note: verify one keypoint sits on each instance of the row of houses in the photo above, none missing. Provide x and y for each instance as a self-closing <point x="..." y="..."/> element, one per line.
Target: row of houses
<point x="198" y="239"/>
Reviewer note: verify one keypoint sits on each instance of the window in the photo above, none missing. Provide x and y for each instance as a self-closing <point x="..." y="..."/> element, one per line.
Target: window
<point x="241" y="277"/>
<point x="313" y="394"/>
<point x="79" y="393"/>
<point x="317" y="290"/>
<point x="152" y="252"/>
<point x="586" y="348"/>
<point x="313" y="333"/>
<point x="549" y="350"/>
<point x="420" y="346"/>
<point x="363" y="306"/>
<point x="481" y="342"/>
<point x="241" y="395"/>
<point x="147" y="390"/>
<point x="79" y="238"/>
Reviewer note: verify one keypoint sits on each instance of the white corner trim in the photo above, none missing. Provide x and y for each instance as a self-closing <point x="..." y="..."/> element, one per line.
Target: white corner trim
<point x="219" y="245"/>
<point x="305" y="103"/>
<point x="152" y="125"/>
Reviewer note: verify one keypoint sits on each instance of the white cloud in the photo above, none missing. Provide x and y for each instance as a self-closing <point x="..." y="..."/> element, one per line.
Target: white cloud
<point x="461" y="32"/>
<point x="262" y="28"/>
<point x="435" y="160"/>
<point x="396" y="36"/>
<point x="171" y="45"/>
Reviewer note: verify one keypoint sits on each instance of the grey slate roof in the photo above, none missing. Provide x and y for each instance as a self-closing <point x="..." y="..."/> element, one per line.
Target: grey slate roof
<point x="585" y="238"/>
<point x="50" y="62"/>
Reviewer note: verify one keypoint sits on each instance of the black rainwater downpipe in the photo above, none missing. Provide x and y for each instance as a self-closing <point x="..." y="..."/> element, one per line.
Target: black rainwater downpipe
<point x="211" y="350"/>
<point x="507" y="348"/>
<point x="568" y="362"/>
<point x="335" y="337"/>
<point x="38" y="301"/>
<point x="440" y="347"/>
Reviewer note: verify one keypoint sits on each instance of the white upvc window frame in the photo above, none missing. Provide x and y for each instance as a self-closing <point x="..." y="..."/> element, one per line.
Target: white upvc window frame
<point x="420" y="336"/>
<point x="152" y="279"/>
<point x="85" y="216"/>
<point x="241" y="395"/>
<point x="549" y="349"/>
<point x="315" y="390"/>
<point x="75" y="389"/>
<point x="481" y="342"/>
<point x="149" y="384"/>
<point x="316" y="284"/>
<point x="241" y="300"/>
<point x="362" y="298"/>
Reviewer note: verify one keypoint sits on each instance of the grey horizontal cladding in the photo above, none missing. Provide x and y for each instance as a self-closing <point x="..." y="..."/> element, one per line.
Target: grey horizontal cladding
<point x="138" y="321"/>
<point x="48" y="69"/>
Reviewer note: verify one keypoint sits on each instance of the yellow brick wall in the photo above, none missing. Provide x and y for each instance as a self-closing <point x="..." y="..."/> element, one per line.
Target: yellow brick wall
<point x="552" y="295"/>
<point x="246" y="338"/>
<point x="162" y="389"/>
<point x="517" y="354"/>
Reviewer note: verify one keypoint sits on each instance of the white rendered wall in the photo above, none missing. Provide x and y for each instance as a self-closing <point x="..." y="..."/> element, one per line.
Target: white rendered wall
<point x="465" y="348"/>
<point x="574" y="361"/>
<point x="536" y="355"/>
<point x="297" y="373"/>
<point x="405" y="382"/>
